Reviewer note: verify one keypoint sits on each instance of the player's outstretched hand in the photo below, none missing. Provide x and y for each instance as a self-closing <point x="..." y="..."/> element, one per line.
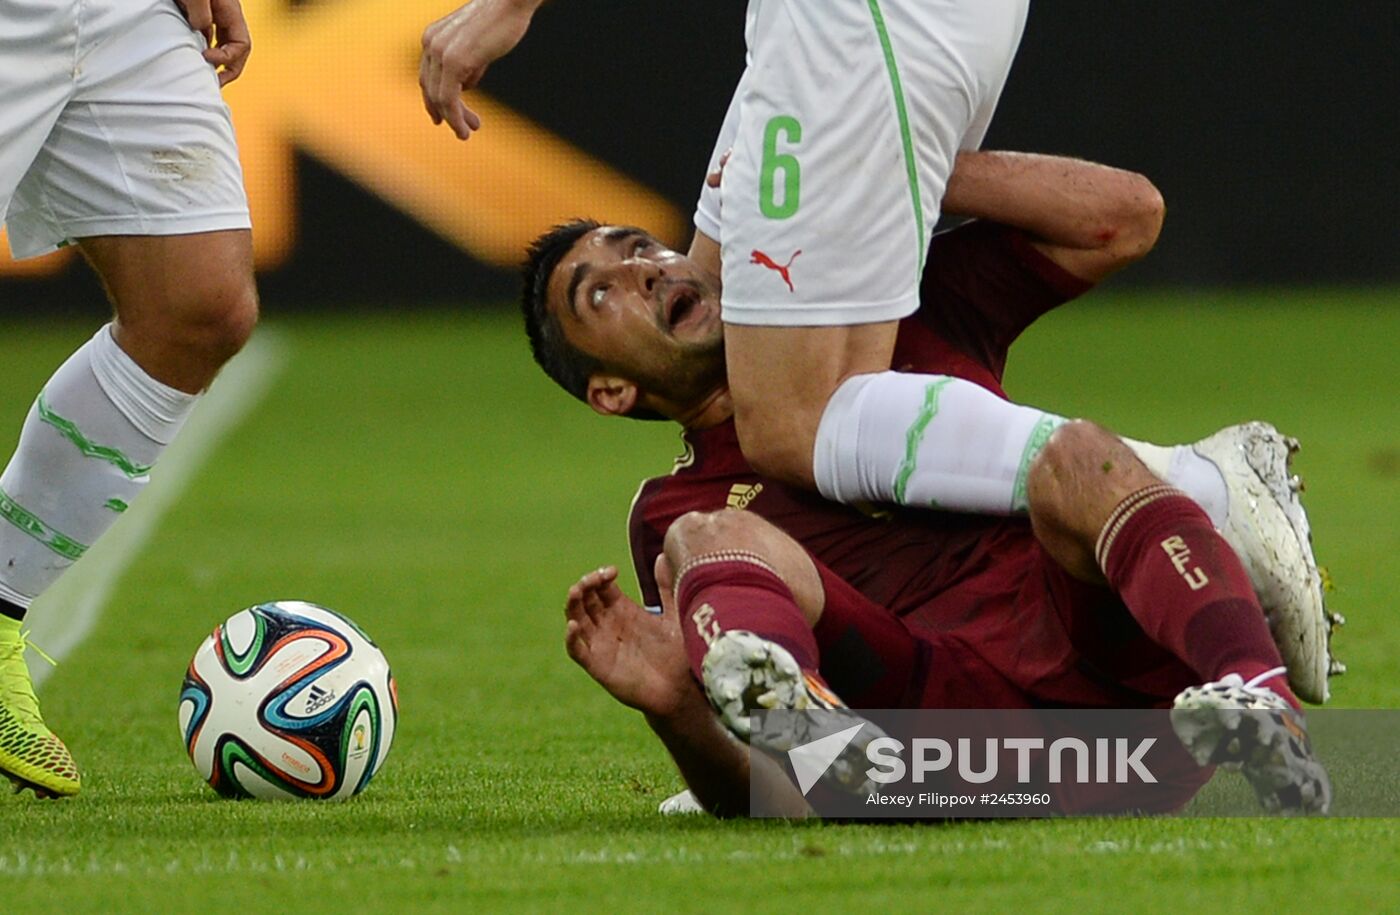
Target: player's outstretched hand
<point x="638" y="657"/>
<point x="222" y="24"/>
<point x="459" y="47"/>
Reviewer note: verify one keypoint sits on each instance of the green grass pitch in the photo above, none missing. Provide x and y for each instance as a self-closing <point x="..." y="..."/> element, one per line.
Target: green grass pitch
<point x="417" y="473"/>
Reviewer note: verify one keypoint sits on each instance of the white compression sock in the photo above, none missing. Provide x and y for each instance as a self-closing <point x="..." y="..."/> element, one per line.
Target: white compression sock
<point x="1194" y="475"/>
<point x="927" y="440"/>
<point x="84" y="453"/>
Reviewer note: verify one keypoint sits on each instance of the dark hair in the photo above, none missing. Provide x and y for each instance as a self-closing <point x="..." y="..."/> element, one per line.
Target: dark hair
<point x="561" y="360"/>
<point x="569" y="366"/>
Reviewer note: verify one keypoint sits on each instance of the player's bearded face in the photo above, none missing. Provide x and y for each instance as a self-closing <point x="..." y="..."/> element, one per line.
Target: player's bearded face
<point x="646" y="312"/>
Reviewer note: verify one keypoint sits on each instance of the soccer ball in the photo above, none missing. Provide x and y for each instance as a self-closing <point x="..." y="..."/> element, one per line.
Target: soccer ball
<point x="286" y="700"/>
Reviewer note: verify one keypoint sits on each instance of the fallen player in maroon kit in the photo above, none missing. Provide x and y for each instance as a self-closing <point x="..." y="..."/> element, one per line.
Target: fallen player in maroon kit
<point x="909" y="608"/>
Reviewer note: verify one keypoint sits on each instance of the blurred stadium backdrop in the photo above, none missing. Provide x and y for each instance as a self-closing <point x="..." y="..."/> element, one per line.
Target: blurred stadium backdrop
<point x="1270" y="127"/>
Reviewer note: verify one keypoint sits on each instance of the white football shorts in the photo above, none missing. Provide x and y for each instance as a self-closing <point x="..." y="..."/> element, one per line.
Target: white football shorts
<point x="844" y="129"/>
<point x="111" y="123"/>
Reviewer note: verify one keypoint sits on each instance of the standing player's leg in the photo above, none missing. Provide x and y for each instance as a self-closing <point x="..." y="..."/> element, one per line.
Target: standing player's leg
<point x="36" y="83"/>
<point x="141" y="168"/>
<point x="184" y="304"/>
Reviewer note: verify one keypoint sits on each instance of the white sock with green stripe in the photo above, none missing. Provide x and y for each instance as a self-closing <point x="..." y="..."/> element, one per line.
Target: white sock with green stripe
<point x="85" y="452"/>
<point x="927" y="441"/>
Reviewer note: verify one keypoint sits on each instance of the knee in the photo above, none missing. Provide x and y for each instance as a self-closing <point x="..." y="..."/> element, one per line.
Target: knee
<point x="706" y="533"/>
<point x="1076" y="463"/>
<point x="698" y="533"/>
<point x="1058" y="463"/>
<point x="221" y="321"/>
<point x="1059" y="513"/>
<point x="201" y="326"/>
<point x="1073" y="486"/>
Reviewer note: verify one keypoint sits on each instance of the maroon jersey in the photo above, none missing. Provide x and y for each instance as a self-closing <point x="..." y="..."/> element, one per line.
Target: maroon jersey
<point x="976" y="583"/>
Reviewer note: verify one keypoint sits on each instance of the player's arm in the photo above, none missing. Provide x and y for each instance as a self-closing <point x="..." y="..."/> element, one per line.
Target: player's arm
<point x="459" y="47"/>
<point x="719" y="770"/>
<point x="1090" y="219"/>
<point x="704" y="246"/>
<point x="639" y="658"/>
<point x="704" y="250"/>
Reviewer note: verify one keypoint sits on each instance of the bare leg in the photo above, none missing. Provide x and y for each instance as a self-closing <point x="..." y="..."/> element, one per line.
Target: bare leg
<point x="185" y="304"/>
<point x="1080" y="477"/>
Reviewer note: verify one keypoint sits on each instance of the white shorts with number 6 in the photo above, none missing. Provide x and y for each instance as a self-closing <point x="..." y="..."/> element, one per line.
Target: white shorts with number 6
<point x="844" y="129"/>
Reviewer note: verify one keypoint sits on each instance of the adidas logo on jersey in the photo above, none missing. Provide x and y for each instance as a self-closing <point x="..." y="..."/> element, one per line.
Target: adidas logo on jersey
<point x="741" y="494"/>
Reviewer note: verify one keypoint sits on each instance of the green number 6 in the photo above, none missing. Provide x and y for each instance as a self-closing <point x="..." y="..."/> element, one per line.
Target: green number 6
<point x="774" y="162"/>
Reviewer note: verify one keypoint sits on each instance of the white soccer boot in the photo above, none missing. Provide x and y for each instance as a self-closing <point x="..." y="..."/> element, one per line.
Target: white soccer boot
<point x="1267" y="526"/>
<point x="743" y="672"/>
<point x="681" y="804"/>
<point x="1250" y="728"/>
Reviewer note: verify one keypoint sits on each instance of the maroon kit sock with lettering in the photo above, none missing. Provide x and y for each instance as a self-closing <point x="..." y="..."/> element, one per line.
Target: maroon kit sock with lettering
<point x="1186" y="587"/>
<point x="736" y="590"/>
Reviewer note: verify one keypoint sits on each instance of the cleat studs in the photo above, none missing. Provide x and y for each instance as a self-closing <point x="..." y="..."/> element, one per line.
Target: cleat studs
<point x="1291" y="444"/>
<point x="1335" y="668"/>
<point x="1336" y="620"/>
<point x="1295" y="483"/>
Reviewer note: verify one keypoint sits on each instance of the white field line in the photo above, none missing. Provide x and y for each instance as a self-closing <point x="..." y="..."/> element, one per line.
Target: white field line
<point x="67" y="613"/>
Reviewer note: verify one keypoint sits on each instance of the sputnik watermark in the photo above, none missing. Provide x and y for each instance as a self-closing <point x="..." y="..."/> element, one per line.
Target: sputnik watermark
<point x="1112" y="759"/>
<point x="1018" y="763"/>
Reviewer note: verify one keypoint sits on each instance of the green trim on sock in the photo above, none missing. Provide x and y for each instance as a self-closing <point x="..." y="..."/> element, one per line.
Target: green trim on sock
<point x="1040" y="434"/>
<point x="69" y="430"/>
<point x="915" y="436"/>
<point x="32" y="525"/>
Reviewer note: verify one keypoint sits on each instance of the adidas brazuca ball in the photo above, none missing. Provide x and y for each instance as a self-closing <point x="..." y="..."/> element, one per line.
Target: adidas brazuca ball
<point x="286" y="700"/>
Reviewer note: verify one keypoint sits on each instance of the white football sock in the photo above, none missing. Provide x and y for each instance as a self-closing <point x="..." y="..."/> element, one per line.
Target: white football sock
<point x="929" y="441"/>
<point x="84" y="453"/>
<point x="1194" y="475"/>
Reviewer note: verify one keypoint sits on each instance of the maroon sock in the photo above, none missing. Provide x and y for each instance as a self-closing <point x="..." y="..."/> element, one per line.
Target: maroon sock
<point x="735" y="590"/>
<point x="1186" y="587"/>
<point x="868" y="655"/>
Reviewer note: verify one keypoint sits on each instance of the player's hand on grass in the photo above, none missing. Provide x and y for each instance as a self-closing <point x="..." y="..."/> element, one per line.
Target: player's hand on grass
<point x="224" y="28"/>
<point x="459" y="47"/>
<point x="638" y="657"/>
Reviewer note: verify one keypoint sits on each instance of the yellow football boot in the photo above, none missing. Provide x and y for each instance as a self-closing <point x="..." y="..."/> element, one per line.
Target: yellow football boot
<point x="30" y="754"/>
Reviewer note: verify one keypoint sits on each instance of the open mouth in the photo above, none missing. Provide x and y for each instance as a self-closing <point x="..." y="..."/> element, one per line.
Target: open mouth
<point x="682" y="305"/>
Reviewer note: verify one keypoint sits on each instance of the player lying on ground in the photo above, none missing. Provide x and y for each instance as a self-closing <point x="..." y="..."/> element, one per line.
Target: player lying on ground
<point x="849" y="177"/>
<point x="129" y="154"/>
<point x="631" y="328"/>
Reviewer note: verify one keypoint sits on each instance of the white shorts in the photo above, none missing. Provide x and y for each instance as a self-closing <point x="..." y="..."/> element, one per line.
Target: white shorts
<point x="111" y="123"/>
<point x="844" y="130"/>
